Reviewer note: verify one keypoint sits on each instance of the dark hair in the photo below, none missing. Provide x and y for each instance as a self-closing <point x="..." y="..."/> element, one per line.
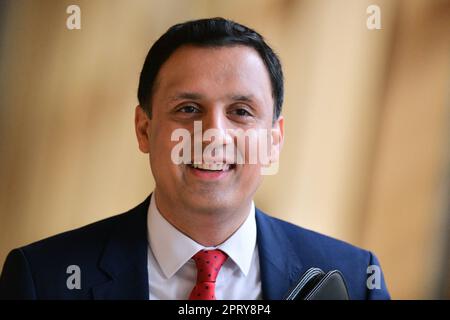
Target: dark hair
<point x="214" y="32"/>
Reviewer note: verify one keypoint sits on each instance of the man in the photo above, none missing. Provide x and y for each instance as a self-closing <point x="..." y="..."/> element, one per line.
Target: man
<point x="198" y="235"/>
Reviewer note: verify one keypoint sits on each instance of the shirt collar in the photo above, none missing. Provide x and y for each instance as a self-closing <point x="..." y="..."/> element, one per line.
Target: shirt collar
<point x="172" y="249"/>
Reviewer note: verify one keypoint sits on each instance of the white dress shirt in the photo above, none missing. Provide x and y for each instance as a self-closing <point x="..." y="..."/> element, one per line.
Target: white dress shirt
<point x="172" y="273"/>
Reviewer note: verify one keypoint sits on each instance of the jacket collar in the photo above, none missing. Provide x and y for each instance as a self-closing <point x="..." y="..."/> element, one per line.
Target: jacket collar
<point x="280" y="266"/>
<point x="124" y="259"/>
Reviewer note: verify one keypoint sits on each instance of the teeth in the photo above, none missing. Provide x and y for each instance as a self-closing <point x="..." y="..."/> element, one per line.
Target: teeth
<point x="212" y="166"/>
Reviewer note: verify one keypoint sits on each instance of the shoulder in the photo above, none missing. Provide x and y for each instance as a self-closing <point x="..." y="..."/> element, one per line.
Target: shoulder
<point x="91" y="237"/>
<point x="40" y="269"/>
<point x="312" y="241"/>
<point x="314" y="249"/>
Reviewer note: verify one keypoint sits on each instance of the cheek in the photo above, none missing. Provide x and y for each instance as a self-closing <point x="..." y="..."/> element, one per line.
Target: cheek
<point x="161" y="145"/>
<point x="249" y="180"/>
<point x="251" y="175"/>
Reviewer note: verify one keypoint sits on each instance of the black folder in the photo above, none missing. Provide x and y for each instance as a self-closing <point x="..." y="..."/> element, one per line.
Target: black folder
<point x="315" y="284"/>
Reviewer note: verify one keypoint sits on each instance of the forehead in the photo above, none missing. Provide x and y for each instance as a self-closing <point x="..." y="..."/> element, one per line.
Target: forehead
<point x="215" y="70"/>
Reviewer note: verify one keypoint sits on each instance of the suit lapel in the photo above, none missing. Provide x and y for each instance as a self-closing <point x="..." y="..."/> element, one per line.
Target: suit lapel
<point x="125" y="258"/>
<point x="279" y="263"/>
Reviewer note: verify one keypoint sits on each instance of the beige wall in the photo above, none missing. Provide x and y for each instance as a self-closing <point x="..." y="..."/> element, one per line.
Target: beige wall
<point x="367" y="121"/>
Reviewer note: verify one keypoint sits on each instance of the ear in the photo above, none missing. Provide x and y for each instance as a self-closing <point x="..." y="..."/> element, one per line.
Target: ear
<point x="142" y="126"/>
<point x="277" y="139"/>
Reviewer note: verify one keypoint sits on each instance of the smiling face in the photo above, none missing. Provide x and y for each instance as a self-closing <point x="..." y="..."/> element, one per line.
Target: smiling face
<point x="224" y="88"/>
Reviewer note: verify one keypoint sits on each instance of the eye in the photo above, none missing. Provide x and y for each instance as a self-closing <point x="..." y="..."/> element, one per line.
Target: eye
<point x="189" y="109"/>
<point x="242" y="112"/>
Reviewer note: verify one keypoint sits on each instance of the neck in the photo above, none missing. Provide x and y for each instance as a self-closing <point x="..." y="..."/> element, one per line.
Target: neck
<point x="208" y="229"/>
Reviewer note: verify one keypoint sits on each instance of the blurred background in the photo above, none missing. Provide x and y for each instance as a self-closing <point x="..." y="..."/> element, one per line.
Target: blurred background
<point x="366" y="157"/>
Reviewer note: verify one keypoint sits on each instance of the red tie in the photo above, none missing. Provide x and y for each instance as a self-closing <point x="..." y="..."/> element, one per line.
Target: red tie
<point x="208" y="264"/>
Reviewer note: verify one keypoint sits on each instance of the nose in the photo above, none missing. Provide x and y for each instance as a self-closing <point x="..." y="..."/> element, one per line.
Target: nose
<point x="216" y="131"/>
<point x="214" y="119"/>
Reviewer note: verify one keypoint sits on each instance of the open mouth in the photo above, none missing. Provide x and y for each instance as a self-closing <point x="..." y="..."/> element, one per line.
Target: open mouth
<point x="211" y="171"/>
<point x="212" y="167"/>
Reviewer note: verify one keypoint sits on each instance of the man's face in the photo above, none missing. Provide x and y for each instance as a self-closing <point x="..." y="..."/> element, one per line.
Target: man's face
<point x="224" y="88"/>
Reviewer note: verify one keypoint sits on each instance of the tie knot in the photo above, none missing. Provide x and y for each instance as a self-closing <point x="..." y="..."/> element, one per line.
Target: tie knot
<point x="208" y="264"/>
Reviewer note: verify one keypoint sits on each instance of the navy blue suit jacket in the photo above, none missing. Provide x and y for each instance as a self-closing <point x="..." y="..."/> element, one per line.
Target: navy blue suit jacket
<point x="112" y="257"/>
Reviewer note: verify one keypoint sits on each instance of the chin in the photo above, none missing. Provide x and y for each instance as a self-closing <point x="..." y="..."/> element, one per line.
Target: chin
<point x="211" y="201"/>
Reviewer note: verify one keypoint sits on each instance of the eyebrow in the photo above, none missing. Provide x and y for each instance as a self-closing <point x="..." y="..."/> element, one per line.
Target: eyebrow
<point x="242" y="97"/>
<point x="199" y="96"/>
<point x="186" y="95"/>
